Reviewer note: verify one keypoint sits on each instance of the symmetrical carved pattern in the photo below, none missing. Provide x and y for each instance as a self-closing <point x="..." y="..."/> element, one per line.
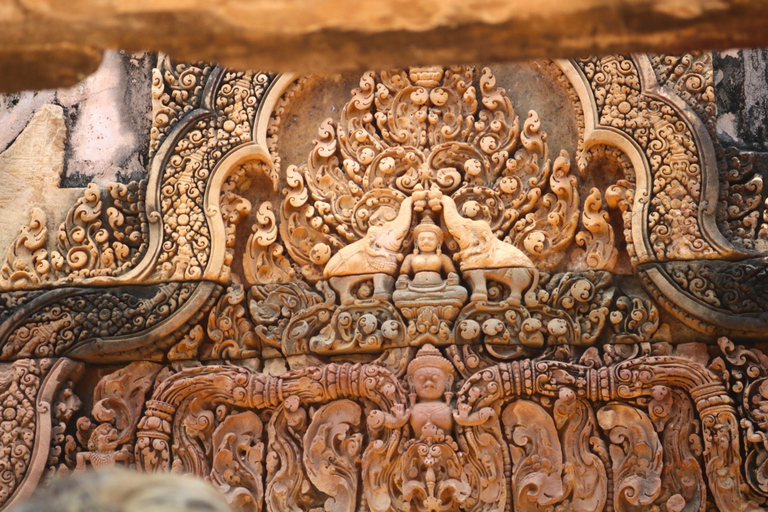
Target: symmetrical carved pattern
<point x="177" y="88"/>
<point x="427" y="312"/>
<point x="186" y="173"/>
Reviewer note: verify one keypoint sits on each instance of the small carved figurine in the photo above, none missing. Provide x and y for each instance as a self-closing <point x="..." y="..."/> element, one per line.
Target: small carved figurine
<point x="431" y="415"/>
<point x="427" y="263"/>
<point x="102" y="449"/>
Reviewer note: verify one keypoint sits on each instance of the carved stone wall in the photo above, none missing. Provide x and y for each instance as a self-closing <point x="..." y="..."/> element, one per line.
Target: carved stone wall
<point x="535" y="286"/>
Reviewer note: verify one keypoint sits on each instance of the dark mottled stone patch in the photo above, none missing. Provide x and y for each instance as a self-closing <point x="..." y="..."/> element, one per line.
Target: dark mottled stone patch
<point x="741" y="90"/>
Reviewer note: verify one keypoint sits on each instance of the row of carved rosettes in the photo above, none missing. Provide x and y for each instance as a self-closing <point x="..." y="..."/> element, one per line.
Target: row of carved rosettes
<point x="668" y="431"/>
<point x="575" y="309"/>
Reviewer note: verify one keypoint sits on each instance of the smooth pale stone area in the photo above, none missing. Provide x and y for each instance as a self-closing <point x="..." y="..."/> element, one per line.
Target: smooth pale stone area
<point x="30" y="173"/>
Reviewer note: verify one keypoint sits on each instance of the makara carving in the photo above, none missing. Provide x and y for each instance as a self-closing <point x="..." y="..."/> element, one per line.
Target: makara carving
<point x="437" y="305"/>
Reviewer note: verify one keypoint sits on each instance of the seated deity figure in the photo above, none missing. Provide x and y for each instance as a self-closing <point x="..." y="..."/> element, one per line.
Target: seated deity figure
<point x="427" y="270"/>
<point x="428" y="293"/>
<point x="482" y="255"/>
<point x="376" y="256"/>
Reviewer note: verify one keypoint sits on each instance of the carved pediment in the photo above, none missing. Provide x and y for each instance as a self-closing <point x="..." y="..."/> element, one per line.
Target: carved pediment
<point x="435" y="289"/>
<point x="436" y="216"/>
<point x="452" y="131"/>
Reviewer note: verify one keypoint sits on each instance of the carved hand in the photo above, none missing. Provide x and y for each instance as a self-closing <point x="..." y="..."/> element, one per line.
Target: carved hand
<point x="402" y="415"/>
<point x="378" y="419"/>
<point x="464" y="417"/>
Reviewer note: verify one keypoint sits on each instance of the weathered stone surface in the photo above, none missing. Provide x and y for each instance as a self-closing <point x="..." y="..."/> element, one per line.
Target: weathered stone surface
<point x="64" y="139"/>
<point x="43" y="66"/>
<point x="435" y="289"/>
<point x="107" y="119"/>
<point x="305" y="35"/>
<point x="741" y="77"/>
<point x="38" y="154"/>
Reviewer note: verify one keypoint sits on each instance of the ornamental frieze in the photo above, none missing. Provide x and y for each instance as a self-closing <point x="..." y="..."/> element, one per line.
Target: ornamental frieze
<point x="531" y="286"/>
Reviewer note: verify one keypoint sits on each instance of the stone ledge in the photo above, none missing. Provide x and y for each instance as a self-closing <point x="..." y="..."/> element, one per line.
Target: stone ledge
<point x="331" y="35"/>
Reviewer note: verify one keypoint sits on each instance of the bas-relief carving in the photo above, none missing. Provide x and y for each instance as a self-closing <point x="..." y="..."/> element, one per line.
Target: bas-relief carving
<point x="425" y="312"/>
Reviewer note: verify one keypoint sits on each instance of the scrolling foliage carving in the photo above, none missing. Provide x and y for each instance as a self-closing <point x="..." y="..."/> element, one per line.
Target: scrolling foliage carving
<point x="433" y="313"/>
<point x="93" y="241"/>
<point x="529" y="434"/>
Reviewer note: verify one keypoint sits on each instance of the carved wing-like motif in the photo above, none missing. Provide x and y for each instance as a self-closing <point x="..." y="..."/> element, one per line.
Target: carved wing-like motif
<point x="438" y="305"/>
<point x="537" y="460"/>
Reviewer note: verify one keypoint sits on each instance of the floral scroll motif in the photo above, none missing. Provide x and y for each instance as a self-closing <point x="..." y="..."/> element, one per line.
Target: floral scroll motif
<point x="431" y="313"/>
<point x="498" y="443"/>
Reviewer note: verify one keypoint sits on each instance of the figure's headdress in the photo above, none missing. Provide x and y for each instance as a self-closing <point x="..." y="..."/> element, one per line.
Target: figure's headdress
<point x="429" y="357"/>
<point x="427" y="224"/>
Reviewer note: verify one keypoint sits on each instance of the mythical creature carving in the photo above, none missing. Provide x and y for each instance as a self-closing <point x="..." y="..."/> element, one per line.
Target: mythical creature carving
<point x="428" y="315"/>
<point x="482" y="256"/>
<point x="377" y="254"/>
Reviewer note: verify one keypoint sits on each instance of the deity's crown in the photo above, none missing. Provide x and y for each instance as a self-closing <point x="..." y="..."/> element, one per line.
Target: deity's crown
<point x="429" y="357"/>
<point x="427" y="224"/>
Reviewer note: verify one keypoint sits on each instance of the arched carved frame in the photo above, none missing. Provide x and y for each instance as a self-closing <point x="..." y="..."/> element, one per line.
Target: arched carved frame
<point x="151" y="342"/>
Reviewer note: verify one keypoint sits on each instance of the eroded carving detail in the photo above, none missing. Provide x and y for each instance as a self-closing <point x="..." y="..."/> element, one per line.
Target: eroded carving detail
<point x="85" y="246"/>
<point x="425" y="316"/>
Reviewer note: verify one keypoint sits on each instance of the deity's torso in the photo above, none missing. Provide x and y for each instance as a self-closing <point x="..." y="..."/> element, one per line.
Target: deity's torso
<point x="435" y="413"/>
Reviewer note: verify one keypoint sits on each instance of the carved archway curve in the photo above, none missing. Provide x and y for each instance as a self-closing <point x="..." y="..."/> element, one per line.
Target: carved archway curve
<point x="597" y="133"/>
<point x="657" y="277"/>
<point x="493" y="387"/>
<point x="184" y="297"/>
<point x="735" y="308"/>
<point x="54" y="374"/>
<point x="655" y="270"/>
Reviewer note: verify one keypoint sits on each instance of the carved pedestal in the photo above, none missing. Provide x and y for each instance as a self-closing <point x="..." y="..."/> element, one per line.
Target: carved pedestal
<point x="426" y="302"/>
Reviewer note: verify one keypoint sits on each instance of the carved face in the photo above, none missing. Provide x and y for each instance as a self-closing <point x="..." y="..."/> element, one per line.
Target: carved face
<point x="103" y="438"/>
<point x="430" y="383"/>
<point x="427" y="241"/>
